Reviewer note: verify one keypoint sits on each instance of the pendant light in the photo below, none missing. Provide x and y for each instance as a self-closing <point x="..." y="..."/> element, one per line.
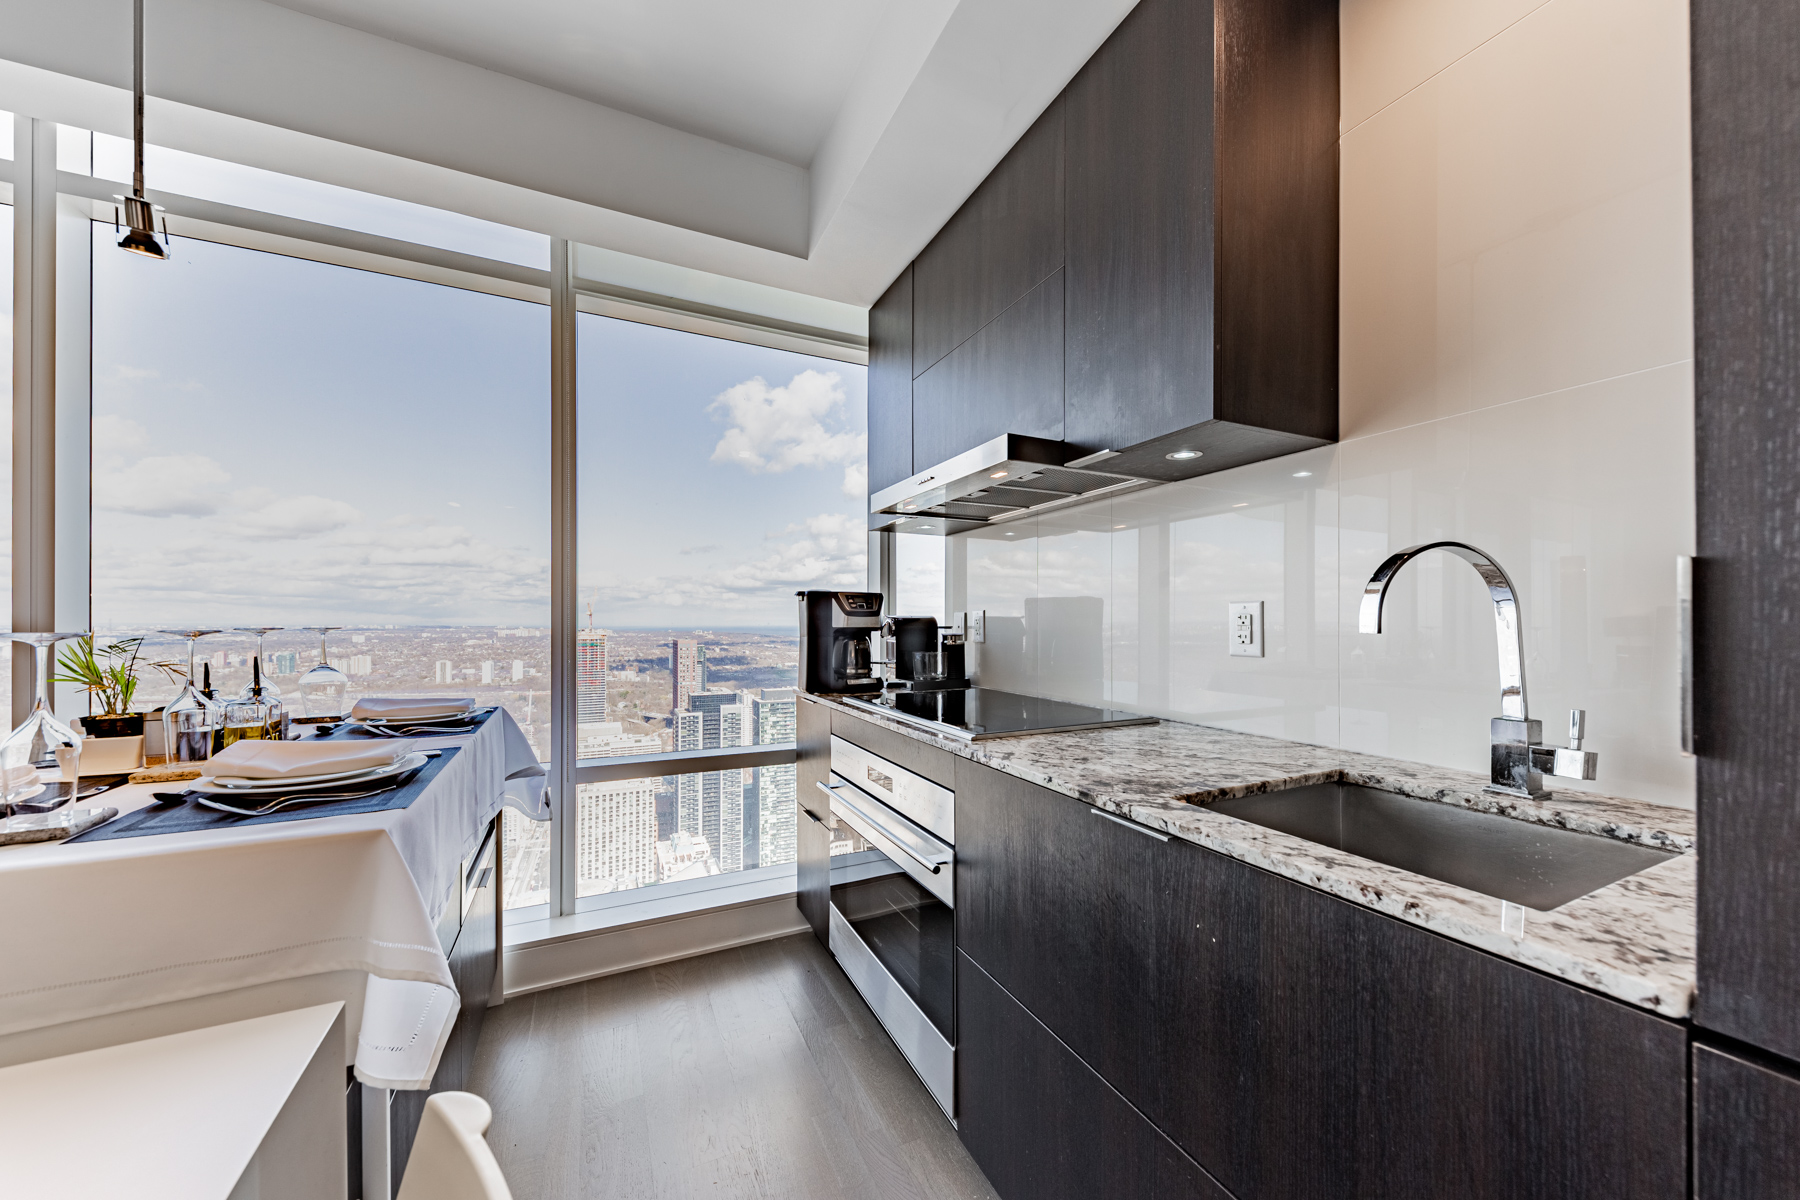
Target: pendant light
<point x="140" y="215"/>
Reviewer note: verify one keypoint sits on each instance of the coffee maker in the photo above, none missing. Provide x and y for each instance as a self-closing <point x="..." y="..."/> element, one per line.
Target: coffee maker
<point x="839" y="637"/>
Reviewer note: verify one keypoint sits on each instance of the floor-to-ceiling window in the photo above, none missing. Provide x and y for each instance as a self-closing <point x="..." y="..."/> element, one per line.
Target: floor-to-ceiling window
<point x="716" y="479"/>
<point x="282" y="442"/>
<point x="294" y="425"/>
<point x="6" y="378"/>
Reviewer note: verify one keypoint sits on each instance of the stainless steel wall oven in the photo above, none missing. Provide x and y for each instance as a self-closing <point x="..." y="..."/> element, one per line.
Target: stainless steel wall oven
<point x="892" y="902"/>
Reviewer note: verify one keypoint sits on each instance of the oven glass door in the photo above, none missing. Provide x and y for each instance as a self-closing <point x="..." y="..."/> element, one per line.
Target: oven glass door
<point x="908" y="930"/>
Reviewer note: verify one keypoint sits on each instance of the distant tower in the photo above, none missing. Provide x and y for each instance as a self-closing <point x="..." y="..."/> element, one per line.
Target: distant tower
<point x="686" y="661"/>
<point x="590" y="673"/>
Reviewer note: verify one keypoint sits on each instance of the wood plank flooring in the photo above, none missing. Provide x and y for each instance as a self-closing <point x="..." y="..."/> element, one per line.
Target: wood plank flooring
<point x="754" y="1072"/>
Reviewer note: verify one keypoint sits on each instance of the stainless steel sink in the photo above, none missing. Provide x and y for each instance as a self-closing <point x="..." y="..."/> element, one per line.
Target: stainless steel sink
<point x="1532" y="865"/>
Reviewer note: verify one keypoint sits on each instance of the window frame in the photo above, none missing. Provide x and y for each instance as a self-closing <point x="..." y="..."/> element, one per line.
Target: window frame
<point x="564" y="295"/>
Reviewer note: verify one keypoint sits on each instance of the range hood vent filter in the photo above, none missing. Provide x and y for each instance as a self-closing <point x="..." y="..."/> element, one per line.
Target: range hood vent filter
<point x="998" y="481"/>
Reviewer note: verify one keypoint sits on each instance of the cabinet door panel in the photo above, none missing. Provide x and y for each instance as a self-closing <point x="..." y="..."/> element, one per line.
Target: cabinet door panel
<point x="1139" y="122"/>
<point x="1298" y="1045"/>
<point x="890" y="384"/>
<point x="1040" y="1123"/>
<point x="1746" y="1129"/>
<point x="1747" y="517"/>
<point x="1008" y="378"/>
<point x="1005" y="240"/>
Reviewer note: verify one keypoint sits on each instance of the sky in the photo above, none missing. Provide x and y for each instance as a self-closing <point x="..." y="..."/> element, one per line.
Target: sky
<point x="285" y="442"/>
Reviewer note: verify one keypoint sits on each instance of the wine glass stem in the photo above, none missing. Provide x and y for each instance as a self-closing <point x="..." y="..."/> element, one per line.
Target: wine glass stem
<point x="43" y="677"/>
<point x="321" y="649"/>
<point x="191" y="642"/>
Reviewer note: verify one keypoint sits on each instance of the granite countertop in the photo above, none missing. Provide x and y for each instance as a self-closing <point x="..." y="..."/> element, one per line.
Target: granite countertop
<point x="1633" y="940"/>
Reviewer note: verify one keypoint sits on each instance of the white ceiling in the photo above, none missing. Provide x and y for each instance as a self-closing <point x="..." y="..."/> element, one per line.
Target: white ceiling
<point x="769" y="76"/>
<point x="810" y="145"/>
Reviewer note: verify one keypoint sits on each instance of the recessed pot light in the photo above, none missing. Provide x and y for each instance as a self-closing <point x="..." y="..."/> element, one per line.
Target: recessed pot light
<point x="1301" y="474"/>
<point x="998" y="475"/>
<point x="1183" y="455"/>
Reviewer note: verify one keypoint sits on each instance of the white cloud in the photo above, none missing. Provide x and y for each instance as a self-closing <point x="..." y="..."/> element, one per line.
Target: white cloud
<point x="295" y="517"/>
<point x="115" y="435"/>
<point x="775" y="429"/>
<point x="856" y="480"/>
<point x="826" y="551"/>
<point x="166" y="485"/>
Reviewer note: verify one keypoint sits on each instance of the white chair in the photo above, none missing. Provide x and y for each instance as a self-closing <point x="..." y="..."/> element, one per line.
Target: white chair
<point x="450" y="1159"/>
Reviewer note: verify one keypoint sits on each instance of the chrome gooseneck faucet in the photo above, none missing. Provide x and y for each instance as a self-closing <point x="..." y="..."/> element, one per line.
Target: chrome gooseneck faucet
<point x="1518" y="760"/>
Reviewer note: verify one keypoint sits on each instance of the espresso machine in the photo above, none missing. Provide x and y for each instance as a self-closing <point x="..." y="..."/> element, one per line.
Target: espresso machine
<point x="840" y="634"/>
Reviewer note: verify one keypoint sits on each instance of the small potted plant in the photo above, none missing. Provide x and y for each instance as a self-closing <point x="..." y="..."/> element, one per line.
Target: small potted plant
<point x="109" y="675"/>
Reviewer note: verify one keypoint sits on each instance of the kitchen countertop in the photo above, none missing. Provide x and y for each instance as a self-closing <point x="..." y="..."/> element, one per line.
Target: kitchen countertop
<point x="1633" y="940"/>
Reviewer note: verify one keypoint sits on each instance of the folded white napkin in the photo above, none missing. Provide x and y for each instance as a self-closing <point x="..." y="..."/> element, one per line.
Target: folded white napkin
<point x="408" y="708"/>
<point x="258" y="758"/>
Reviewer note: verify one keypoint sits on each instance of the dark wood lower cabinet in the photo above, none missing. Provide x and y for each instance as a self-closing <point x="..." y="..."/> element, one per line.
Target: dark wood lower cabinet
<point x="1746" y="1129"/>
<point x="1296" y="1045"/>
<point x="1041" y="1125"/>
<point x="812" y="837"/>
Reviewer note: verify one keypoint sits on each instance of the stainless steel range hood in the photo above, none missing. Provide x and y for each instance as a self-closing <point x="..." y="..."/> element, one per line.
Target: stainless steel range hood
<point x="1010" y="477"/>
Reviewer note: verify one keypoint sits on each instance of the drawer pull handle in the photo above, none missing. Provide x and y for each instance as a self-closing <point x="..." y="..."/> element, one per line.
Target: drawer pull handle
<point x="816" y="818"/>
<point x="1131" y="825"/>
<point x="482" y="880"/>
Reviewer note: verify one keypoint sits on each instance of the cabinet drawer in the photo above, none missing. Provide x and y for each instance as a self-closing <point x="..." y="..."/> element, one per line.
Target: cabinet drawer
<point x="1041" y="1124"/>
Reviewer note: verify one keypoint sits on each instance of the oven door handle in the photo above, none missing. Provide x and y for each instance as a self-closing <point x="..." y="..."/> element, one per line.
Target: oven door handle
<point x="930" y="858"/>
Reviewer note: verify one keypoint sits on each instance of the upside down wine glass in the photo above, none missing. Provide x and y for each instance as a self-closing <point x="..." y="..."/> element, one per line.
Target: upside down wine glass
<point x="323" y="689"/>
<point x="192" y="719"/>
<point x="267" y="689"/>
<point x="40" y="741"/>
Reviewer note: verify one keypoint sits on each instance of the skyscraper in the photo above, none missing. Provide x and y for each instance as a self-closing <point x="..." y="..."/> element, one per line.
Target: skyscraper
<point x="710" y="804"/>
<point x="685" y="666"/>
<point x="616" y="822"/>
<point x="773" y="717"/>
<point x="590" y="676"/>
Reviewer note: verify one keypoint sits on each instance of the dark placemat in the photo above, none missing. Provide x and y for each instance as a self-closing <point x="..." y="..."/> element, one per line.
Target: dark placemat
<point x="355" y="733"/>
<point x="188" y="816"/>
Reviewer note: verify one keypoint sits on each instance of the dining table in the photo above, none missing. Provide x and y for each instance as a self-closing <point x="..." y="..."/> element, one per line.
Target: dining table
<point x="109" y="940"/>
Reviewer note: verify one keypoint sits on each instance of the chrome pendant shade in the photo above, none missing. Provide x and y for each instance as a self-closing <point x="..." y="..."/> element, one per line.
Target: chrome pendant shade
<point x="140" y="214"/>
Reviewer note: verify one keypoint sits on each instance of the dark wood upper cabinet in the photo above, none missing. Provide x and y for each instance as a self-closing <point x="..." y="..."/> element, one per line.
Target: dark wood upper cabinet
<point x="1297" y="1045"/>
<point x="1202" y="235"/>
<point x="1005" y="240"/>
<point x="1746" y="1128"/>
<point x="1007" y="378"/>
<point x="1747" y="517"/>
<point x="1182" y="195"/>
<point x="891" y="384"/>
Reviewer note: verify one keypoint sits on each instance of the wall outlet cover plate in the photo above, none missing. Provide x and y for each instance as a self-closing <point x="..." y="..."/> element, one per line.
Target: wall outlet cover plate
<point x="1244" y="629"/>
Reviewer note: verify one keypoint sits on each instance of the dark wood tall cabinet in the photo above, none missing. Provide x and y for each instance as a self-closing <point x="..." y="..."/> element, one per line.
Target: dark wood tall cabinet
<point x="1152" y="266"/>
<point x="1295" y="1045"/>
<point x="1746" y="85"/>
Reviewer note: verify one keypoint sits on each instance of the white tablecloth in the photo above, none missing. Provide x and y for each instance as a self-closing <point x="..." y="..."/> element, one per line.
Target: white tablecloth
<point x="348" y="904"/>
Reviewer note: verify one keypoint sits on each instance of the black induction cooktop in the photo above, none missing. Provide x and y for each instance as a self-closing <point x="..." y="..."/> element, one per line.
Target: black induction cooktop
<point x="978" y="714"/>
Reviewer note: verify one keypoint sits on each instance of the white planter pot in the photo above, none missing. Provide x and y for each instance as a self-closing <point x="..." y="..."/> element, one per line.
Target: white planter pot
<point x="111" y="756"/>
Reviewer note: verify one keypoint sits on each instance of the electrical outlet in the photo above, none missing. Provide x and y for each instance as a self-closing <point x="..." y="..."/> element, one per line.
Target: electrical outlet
<point x="1244" y="629"/>
<point x="975" y="626"/>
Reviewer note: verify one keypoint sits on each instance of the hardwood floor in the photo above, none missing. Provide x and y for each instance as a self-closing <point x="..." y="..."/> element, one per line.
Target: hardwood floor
<point x="755" y="1072"/>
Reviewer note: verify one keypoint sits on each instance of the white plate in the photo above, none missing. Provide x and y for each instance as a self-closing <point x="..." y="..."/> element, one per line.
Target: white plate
<point x="245" y="783"/>
<point x="312" y="783"/>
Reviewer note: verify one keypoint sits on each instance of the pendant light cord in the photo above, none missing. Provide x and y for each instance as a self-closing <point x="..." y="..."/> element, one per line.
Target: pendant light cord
<point x="137" y="97"/>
